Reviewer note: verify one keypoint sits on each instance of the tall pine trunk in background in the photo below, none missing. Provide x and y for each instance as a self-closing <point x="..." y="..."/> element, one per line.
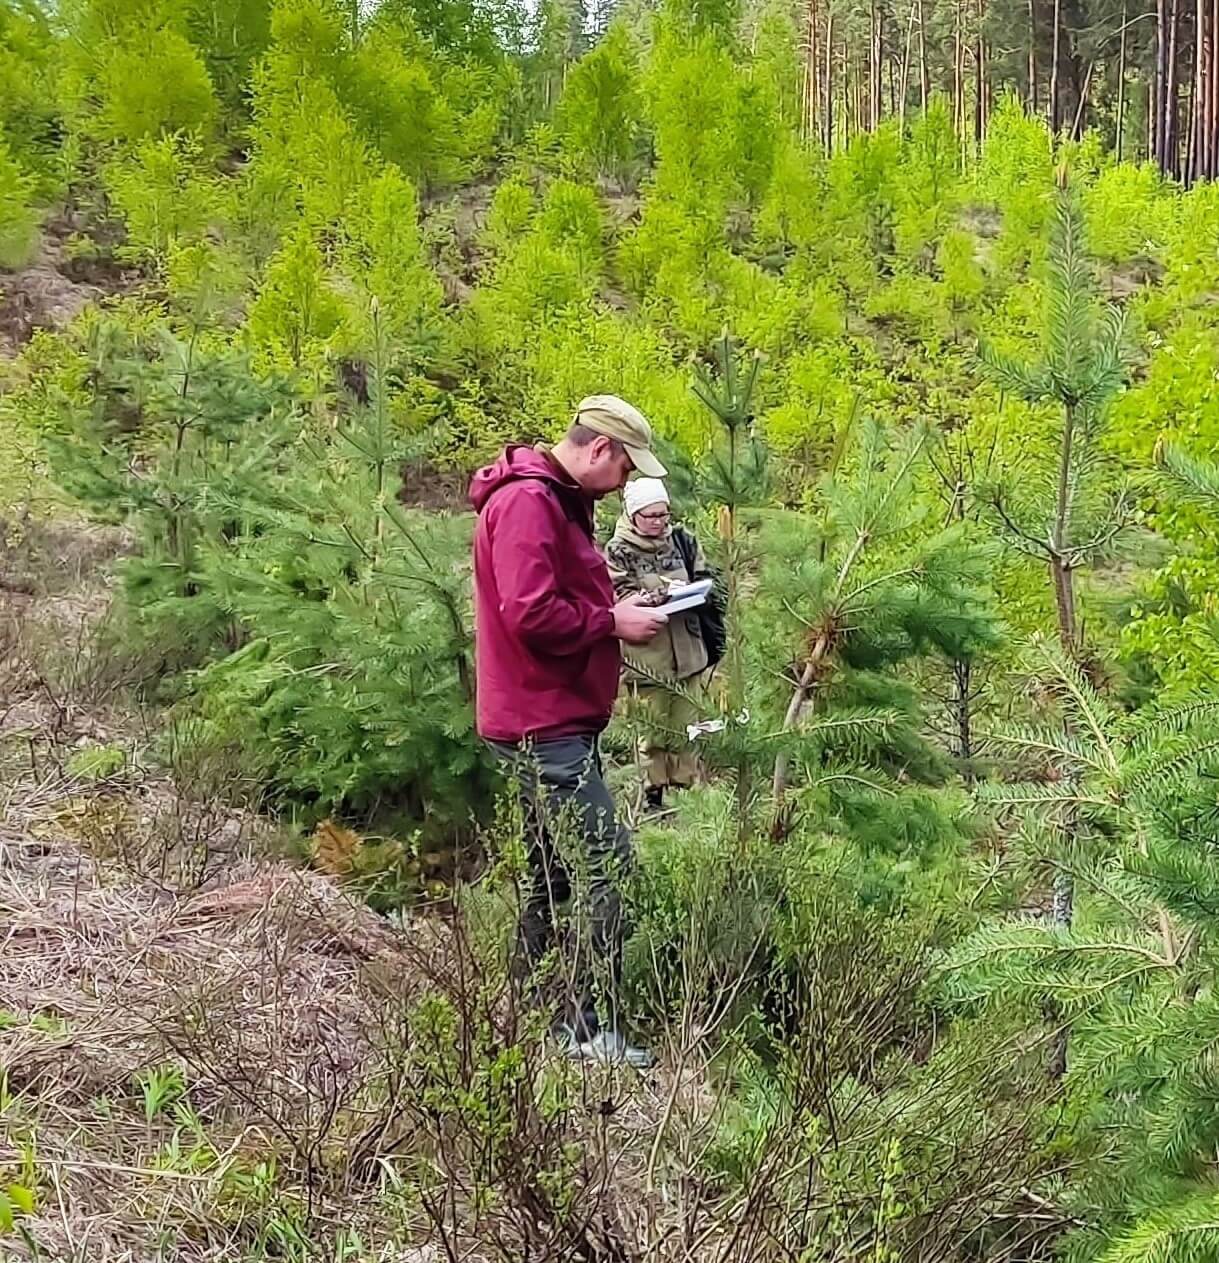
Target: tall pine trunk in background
<point x="828" y="113"/>
<point x="1172" y="162"/>
<point x="924" y="81"/>
<point x="904" y="85"/>
<point x="1033" y="100"/>
<point x="874" y="86"/>
<point x="980" y="79"/>
<point x="1055" y="71"/>
<point x="812" y="87"/>
<point x="1121" y="85"/>
<point x="958" y="71"/>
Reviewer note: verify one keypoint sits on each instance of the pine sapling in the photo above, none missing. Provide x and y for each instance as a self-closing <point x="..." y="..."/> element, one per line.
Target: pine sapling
<point x="1074" y="520"/>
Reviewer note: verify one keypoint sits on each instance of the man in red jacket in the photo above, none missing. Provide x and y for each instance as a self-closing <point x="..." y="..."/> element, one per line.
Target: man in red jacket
<point x="547" y="631"/>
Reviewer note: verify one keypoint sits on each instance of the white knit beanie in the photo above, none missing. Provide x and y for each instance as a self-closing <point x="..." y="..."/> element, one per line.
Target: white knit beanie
<point x="641" y="492"/>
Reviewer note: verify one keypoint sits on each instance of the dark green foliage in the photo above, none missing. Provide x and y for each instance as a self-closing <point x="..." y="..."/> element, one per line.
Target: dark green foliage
<point x="1132" y="974"/>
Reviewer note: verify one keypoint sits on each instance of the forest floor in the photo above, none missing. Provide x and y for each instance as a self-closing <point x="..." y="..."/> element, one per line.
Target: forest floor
<point x="197" y="1030"/>
<point x="127" y="903"/>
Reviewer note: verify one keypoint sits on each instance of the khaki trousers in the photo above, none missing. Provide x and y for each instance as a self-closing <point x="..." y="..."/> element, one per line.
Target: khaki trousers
<point x="668" y="755"/>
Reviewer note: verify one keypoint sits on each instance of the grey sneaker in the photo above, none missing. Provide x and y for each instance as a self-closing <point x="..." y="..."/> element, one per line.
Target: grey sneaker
<point x="610" y="1048"/>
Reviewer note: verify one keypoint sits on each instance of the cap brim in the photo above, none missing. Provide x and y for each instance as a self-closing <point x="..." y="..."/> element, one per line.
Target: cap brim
<point x="645" y="462"/>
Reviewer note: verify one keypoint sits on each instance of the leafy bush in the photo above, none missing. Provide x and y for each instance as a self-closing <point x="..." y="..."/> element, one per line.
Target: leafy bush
<point x="152" y="84"/>
<point x="18" y="219"/>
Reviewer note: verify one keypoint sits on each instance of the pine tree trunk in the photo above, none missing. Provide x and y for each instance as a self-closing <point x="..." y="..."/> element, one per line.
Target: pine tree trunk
<point x="1197" y="159"/>
<point x="811" y="67"/>
<point x="893" y="66"/>
<point x="873" y="67"/>
<point x="812" y="671"/>
<point x="1159" y="113"/>
<point x="1063" y="898"/>
<point x="958" y="74"/>
<point x="1191" y="134"/>
<point x="1172" y="161"/>
<point x="1064" y="591"/>
<point x="1034" y="103"/>
<point x="1121" y="85"/>
<point x="828" y="117"/>
<point x="1210" y="14"/>
<point x="924" y="81"/>
<point x="904" y="87"/>
<point x="1199" y="94"/>
<point x="962" y="672"/>
<point x="1077" y="123"/>
<point x="1055" y="112"/>
<point x="980" y="81"/>
<point x="1203" y="114"/>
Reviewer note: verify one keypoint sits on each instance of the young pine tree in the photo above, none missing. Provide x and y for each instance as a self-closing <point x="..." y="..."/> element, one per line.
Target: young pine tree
<point x="1067" y="514"/>
<point x="1129" y="811"/>
<point x="867" y="582"/>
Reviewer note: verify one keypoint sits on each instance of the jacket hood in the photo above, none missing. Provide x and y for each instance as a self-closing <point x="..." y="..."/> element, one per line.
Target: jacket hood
<point x="516" y="462"/>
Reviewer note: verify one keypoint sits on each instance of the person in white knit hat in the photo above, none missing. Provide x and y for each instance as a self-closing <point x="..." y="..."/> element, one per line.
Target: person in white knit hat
<point x="649" y="554"/>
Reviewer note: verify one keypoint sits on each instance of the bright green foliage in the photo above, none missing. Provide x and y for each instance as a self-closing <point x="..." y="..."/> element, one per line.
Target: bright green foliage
<point x="1067" y="511"/>
<point x="166" y="194"/>
<point x="28" y="105"/>
<point x="152" y="83"/>
<point x="18" y="219"/>
<point x="1014" y="175"/>
<point x="600" y="116"/>
<point x="776" y="58"/>
<point x="1129" y="212"/>
<point x="927" y="187"/>
<point x="1193" y="237"/>
<point x="385" y="256"/>
<point x="705" y="119"/>
<point x="460" y="27"/>
<point x="791" y="213"/>
<point x="1187" y="1233"/>
<point x="510" y="211"/>
<point x="313" y="91"/>
<point x="231" y="35"/>
<point x="1172" y="626"/>
<point x="716" y="19"/>
<point x="297" y="317"/>
<point x="393" y="94"/>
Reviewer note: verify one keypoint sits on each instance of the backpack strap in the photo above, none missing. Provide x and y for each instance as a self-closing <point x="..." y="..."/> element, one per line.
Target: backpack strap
<point x="686" y="546"/>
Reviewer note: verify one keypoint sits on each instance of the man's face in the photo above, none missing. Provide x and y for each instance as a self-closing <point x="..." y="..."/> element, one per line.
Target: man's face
<point x="608" y="468"/>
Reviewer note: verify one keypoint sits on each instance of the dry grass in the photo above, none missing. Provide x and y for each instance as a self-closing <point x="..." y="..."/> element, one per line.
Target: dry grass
<point x="209" y="1053"/>
<point x="280" y="1009"/>
<point x="203" y="1047"/>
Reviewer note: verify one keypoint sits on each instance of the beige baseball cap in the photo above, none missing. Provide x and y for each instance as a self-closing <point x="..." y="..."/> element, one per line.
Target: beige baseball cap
<point x="617" y="419"/>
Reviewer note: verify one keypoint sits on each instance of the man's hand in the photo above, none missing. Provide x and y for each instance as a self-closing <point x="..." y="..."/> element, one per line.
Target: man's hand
<point x="634" y="622"/>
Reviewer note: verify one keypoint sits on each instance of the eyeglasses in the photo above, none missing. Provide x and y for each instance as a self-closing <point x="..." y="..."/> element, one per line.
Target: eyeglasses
<point x="655" y="517"/>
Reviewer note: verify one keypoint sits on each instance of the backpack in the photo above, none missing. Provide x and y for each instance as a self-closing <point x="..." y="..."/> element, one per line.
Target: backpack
<point x="711" y="613"/>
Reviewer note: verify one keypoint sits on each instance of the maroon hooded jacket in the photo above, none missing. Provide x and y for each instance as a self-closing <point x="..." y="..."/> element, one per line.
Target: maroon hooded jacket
<point x="547" y="660"/>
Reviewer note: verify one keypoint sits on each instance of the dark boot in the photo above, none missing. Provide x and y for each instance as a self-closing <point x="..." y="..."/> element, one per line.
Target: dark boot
<point x="654" y="797"/>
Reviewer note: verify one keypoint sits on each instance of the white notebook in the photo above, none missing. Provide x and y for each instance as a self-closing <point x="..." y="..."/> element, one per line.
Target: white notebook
<point x="685" y="597"/>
